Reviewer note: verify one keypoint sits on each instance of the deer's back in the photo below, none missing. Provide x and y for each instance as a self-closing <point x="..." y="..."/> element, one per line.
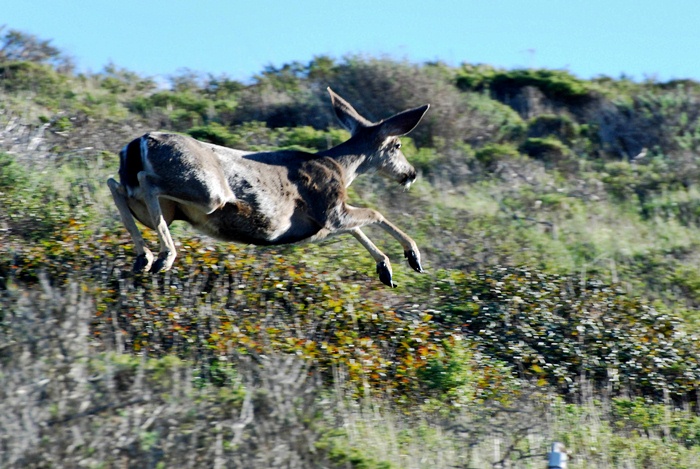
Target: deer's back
<point x="276" y="197"/>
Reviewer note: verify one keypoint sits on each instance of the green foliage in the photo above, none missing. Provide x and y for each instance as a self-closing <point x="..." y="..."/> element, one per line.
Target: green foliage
<point x="309" y="138"/>
<point x="12" y="175"/>
<point x="354" y="458"/>
<point x="550" y="150"/>
<point x="551" y="125"/>
<point x="121" y="81"/>
<point x="491" y="154"/>
<point x="214" y="133"/>
<point x="625" y="181"/>
<point x="627" y="432"/>
<point x="38" y="78"/>
<point x="681" y="205"/>
<point x="599" y="240"/>
<point x="184" y="108"/>
<point x="475" y="77"/>
<point x="491" y="120"/>
<point x="34" y="213"/>
<point x="558" y="85"/>
<point x="558" y="329"/>
<point x="545" y="148"/>
<point x="461" y="376"/>
<point x="222" y="88"/>
<point x="639" y="416"/>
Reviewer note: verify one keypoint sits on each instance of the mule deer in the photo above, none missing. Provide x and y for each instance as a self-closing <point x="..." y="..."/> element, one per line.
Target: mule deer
<point x="264" y="198"/>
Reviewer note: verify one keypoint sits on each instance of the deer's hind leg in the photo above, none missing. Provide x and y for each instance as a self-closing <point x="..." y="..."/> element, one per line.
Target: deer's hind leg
<point x="144" y="257"/>
<point x="151" y="192"/>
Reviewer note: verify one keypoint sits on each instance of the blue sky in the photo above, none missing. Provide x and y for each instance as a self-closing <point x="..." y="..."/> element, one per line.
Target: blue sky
<point x="641" y="39"/>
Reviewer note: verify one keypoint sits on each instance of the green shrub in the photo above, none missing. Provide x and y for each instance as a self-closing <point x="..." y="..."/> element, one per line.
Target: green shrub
<point x="639" y="416"/>
<point x="636" y="182"/>
<point x="214" y="133"/>
<point x="12" y="175"/>
<point x="310" y="138"/>
<point x="559" y="329"/>
<point x="490" y="120"/>
<point x="185" y="109"/>
<point x="550" y="150"/>
<point x="462" y="375"/>
<point x="491" y="154"/>
<point x="29" y="76"/>
<point x="551" y="125"/>
<point x="682" y="206"/>
<point x="475" y="77"/>
<point x="557" y="85"/>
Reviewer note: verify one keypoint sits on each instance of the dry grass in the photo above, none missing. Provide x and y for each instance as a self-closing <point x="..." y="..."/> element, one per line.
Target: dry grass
<point x="68" y="401"/>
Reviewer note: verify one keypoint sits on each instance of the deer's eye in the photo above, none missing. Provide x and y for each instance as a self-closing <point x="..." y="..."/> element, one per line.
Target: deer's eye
<point x="397" y="146"/>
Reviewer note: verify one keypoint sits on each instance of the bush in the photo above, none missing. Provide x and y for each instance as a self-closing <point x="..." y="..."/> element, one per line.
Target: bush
<point x="38" y="78"/>
<point x="490" y="155"/>
<point x="557" y="85"/>
<point x="559" y="329"/>
<point x="12" y="176"/>
<point x="183" y="109"/>
<point x="478" y="77"/>
<point x="551" y="125"/>
<point x="308" y="138"/>
<point x="69" y="400"/>
<point x="550" y="150"/>
<point x="666" y="121"/>
<point x="636" y="182"/>
<point x="639" y="416"/>
<point x="214" y="133"/>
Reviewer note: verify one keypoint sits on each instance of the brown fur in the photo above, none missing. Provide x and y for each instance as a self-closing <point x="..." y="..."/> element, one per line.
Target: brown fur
<point x="261" y="198"/>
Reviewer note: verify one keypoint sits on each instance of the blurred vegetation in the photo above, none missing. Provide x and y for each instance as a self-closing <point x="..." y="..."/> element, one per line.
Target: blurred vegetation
<point x="558" y="223"/>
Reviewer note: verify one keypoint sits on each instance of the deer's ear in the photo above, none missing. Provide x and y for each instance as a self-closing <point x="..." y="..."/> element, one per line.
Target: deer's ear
<point x="403" y="122"/>
<point x="347" y="115"/>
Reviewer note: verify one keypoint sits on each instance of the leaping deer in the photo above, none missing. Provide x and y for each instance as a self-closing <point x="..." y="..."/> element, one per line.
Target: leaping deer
<point x="264" y="198"/>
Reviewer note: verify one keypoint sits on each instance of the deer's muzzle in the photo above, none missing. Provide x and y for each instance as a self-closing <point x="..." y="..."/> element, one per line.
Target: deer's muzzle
<point x="408" y="179"/>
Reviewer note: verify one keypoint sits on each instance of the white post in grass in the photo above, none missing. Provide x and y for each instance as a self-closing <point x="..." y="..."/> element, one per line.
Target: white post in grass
<point x="557" y="457"/>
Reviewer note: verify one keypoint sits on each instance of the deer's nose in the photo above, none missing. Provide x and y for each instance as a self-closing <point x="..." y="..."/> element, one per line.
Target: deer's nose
<point x="409" y="178"/>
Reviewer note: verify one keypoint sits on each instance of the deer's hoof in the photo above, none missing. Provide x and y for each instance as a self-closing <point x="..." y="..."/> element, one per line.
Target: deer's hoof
<point x="143" y="262"/>
<point x="384" y="272"/>
<point x="163" y="263"/>
<point x="413" y="260"/>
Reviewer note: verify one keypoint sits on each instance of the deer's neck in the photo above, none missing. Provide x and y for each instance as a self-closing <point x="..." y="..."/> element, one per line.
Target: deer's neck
<point x="353" y="162"/>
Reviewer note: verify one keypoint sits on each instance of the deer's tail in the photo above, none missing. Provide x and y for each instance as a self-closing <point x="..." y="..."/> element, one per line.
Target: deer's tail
<point x="131" y="163"/>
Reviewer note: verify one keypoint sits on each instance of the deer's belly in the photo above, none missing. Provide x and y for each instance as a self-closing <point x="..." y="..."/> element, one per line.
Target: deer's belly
<point x="237" y="223"/>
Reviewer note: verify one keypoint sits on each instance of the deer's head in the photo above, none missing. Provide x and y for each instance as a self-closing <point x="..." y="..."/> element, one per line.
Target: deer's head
<point x="380" y="141"/>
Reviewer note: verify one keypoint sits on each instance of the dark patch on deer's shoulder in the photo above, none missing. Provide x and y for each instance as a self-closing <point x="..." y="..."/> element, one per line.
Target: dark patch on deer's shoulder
<point x="321" y="186"/>
<point x="322" y="176"/>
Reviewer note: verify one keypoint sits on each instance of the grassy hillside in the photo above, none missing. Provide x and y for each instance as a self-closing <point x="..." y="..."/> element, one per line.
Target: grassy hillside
<point x="557" y="218"/>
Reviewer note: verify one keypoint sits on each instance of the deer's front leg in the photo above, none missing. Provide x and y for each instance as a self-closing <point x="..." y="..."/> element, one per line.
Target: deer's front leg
<point x="410" y="249"/>
<point x="383" y="263"/>
<point x="357" y="217"/>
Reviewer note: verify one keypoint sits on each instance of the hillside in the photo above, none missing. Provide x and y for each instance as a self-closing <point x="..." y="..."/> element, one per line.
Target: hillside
<point x="557" y="218"/>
